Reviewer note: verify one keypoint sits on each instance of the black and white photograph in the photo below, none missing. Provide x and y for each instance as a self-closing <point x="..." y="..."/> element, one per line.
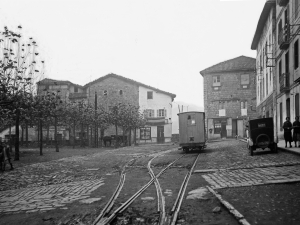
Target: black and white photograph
<point x="162" y="112"/>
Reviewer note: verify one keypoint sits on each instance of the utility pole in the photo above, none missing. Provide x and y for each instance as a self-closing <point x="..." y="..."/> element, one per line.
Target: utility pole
<point x="95" y="132"/>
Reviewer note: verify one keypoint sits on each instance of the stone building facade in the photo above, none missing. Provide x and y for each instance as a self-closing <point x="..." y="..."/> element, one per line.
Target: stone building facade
<point x="111" y="89"/>
<point x="229" y="97"/>
<point x="287" y="61"/>
<point x="264" y="44"/>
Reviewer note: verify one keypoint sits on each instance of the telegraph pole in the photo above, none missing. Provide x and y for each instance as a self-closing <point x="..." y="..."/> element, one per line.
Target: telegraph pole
<point x="96" y="128"/>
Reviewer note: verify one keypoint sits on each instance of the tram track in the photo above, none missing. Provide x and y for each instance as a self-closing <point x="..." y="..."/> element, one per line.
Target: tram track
<point x="106" y="216"/>
<point x="102" y="217"/>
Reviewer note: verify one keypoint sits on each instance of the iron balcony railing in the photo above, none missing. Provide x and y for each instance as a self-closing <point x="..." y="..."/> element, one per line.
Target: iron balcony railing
<point x="282" y="3"/>
<point x="284" y="37"/>
<point x="284" y="82"/>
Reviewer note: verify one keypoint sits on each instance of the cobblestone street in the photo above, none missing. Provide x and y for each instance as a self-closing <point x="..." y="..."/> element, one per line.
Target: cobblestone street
<point x="46" y="198"/>
<point x="56" y="184"/>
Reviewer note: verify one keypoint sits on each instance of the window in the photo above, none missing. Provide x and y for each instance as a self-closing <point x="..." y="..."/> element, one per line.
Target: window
<point x="288" y="111"/>
<point x="279" y="69"/>
<point x="145" y="133"/>
<point x="161" y="112"/>
<point x="149" y="113"/>
<point x="75" y="89"/>
<point x="191" y="120"/>
<point x="296" y="8"/>
<point x="297" y="104"/>
<point x="221" y="105"/>
<point x="244" y="104"/>
<point x="280" y="116"/>
<point x="245" y="81"/>
<point x="105" y="92"/>
<point x="217" y="126"/>
<point x="287" y="62"/>
<point x="296" y="55"/>
<point x="279" y="29"/>
<point x="267" y="84"/>
<point x="216" y="81"/>
<point x="120" y="92"/>
<point x="149" y="94"/>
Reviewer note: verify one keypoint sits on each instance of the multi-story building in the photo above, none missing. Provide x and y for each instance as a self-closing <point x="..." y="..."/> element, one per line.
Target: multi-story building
<point x="112" y="88"/>
<point x="264" y="44"/>
<point x="229" y="97"/>
<point x="287" y="61"/>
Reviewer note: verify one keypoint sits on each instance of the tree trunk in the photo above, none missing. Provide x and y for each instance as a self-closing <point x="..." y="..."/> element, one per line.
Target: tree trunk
<point x="129" y="140"/>
<point x="55" y="134"/>
<point x="95" y="136"/>
<point x="41" y="136"/>
<point x="10" y="141"/>
<point x="26" y="129"/>
<point x="123" y="136"/>
<point x="117" y="141"/>
<point x="38" y="130"/>
<point x="47" y="138"/>
<point x="17" y="150"/>
<point x="74" y="139"/>
<point x="22" y="136"/>
<point x="134" y="136"/>
<point x="87" y="135"/>
<point x="81" y="135"/>
<point x="91" y="138"/>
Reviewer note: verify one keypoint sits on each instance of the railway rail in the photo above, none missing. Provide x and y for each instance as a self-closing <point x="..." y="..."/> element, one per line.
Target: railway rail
<point x="105" y="217"/>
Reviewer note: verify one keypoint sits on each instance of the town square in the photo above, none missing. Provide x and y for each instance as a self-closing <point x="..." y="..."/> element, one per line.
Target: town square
<point x="137" y="112"/>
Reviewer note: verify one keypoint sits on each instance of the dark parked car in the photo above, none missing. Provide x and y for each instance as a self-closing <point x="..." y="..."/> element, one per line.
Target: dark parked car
<point x="261" y="135"/>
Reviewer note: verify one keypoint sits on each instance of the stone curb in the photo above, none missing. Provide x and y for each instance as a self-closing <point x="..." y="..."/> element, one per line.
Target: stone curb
<point x="230" y="208"/>
<point x="245" y="168"/>
<point x="262" y="183"/>
<point x="288" y="150"/>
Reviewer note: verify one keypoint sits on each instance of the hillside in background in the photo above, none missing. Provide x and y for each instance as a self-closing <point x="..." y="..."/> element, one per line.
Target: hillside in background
<point x="186" y="107"/>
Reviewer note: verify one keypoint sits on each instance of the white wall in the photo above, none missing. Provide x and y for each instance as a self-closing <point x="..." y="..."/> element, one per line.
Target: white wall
<point x="159" y="101"/>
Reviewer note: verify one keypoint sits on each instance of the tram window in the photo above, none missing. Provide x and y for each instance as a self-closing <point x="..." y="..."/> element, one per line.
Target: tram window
<point x="191" y="120"/>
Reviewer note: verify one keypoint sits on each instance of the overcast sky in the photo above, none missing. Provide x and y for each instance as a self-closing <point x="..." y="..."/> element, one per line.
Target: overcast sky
<point x="163" y="43"/>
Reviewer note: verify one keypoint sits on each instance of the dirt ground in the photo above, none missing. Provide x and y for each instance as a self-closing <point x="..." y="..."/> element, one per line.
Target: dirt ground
<point x="266" y="205"/>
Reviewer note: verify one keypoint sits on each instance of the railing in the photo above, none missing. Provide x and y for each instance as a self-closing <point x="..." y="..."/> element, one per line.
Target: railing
<point x="284" y="82"/>
<point x="284" y="37"/>
<point x="77" y="95"/>
<point x="282" y="2"/>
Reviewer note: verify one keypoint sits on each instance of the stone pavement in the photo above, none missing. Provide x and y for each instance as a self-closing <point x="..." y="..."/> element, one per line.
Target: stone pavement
<point x="253" y="176"/>
<point x="281" y="145"/>
<point x="46" y="197"/>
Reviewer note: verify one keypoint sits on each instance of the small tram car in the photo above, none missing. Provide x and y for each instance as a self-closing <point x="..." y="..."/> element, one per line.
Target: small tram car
<point x="192" y="130"/>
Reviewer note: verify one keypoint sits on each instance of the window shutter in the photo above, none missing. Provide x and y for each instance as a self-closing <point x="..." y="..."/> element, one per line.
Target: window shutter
<point x="165" y="113"/>
<point x="157" y="113"/>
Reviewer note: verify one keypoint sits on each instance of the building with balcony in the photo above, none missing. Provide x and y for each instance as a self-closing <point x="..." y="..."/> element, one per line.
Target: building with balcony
<point x="229" y="97"/>
<point x="287" y="62"/>
<point x="264" y="44"/>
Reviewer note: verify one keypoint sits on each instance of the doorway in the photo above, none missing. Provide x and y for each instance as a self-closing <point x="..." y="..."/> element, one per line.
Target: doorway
<point x="223" y="129"/>
<point x="160" y="134"/>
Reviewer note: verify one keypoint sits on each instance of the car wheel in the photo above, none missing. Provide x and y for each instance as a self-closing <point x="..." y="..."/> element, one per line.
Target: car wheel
<point x="251" y="150"/>
<point x="275" y="149"/>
